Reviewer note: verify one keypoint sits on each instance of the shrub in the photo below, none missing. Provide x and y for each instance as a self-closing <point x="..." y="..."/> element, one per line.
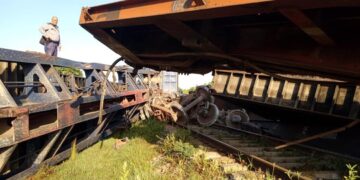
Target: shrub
<point x="171" y="146"/>
<point x="69" y="71"/>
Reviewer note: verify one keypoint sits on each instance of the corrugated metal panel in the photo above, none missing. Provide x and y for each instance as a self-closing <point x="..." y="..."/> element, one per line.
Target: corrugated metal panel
<point x="169" y="81"/>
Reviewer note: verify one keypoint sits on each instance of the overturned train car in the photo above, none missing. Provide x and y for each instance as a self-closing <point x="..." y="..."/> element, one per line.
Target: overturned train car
<point x="294" y="65"/>
<point x="48" y="103"/>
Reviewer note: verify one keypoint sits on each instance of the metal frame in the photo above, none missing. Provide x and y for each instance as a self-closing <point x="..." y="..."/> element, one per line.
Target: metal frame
<point x="291" y="36"/>
<point x="37" y="104"/>
<point x="326" y="97"/>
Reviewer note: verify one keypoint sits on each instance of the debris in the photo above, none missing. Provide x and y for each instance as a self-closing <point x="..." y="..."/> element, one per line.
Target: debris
<point x="199" y="105"/>
<point x="120" y="142"/>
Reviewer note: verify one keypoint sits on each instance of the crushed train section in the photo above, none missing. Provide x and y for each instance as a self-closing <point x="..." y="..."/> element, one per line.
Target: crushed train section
<point x="42" y="111"/>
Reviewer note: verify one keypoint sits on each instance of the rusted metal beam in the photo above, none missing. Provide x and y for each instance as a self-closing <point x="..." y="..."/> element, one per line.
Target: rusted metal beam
<point x="139" y="12"/>
<point x="62" y="140"/>
<point x="52" y="74"/>
<point x="123" y="11"/>
<point x="21" y="123"/>
<point x="100" y="126"/>
<point x="6" y="98"/>
<point x="308" y="26"/>
<point x="43" y="153"/>
<point x="66" y="153"/>
<point x="12" y="112"/>
<point x="8" y="55"/>
<point x="327" y="62"/>
<point x="5" y="155"/>
<point x="4" y="66"/>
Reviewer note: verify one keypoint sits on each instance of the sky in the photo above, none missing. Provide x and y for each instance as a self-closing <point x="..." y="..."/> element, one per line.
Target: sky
<point x="21" y="19"/>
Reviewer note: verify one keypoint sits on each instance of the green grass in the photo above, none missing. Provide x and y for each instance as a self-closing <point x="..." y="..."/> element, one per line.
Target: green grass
<point x="145" y="156"/>
<point x="149" y="130"/>
<point x="188" y="160"/>
<point x="173" y="147"/>
<point x="108" y="163"/>
<point x="69" y="71"/>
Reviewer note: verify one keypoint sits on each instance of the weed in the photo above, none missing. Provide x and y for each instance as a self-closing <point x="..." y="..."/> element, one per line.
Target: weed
<point x="352" y="172"/>
<point x="171" y="146"/>
<point x="150" y="130"/>
<point x="290" y="174"/>
<point x="205" y="167"/>
<point x="250" y="164"/>
<point x="328" y="162"/>
<point x="269" y="176"/>
<point x="69" y="71"/>
<point x="125" y="171"/>
<point x="182" y="134"/>
<point x="241" y="158"/>
<point x="273" y="170"/>
<point x="190" y="164"/>
<point x="73" y="150"/>
<point x="298" y="174"/>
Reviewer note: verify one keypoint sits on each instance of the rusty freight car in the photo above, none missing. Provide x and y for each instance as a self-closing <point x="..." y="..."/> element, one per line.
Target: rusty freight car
<point x="291" y="36"/>
<point x="296" y="62"/>
<point x="299" y="55"/>
<point x="43" y="110"/>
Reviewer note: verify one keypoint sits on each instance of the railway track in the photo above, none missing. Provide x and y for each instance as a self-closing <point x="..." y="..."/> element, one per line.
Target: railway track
<point x="289" y="163"/>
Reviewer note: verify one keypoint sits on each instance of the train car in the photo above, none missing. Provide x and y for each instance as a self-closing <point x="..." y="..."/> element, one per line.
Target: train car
<point x="292" y="64"/>
<point x="268" y="36"/>
<point x="48" y="103"/>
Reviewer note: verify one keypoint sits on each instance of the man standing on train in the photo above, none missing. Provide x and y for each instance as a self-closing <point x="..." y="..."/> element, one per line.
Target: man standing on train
<point x="50" y="37"/>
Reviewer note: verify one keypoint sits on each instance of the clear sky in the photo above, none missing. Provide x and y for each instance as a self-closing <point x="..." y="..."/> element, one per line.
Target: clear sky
<point x="21" y="19"/>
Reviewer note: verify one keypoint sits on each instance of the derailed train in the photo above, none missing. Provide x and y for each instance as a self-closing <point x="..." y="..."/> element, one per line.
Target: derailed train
<point x="43" y="110"/>
<point x="293" y="65"/>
